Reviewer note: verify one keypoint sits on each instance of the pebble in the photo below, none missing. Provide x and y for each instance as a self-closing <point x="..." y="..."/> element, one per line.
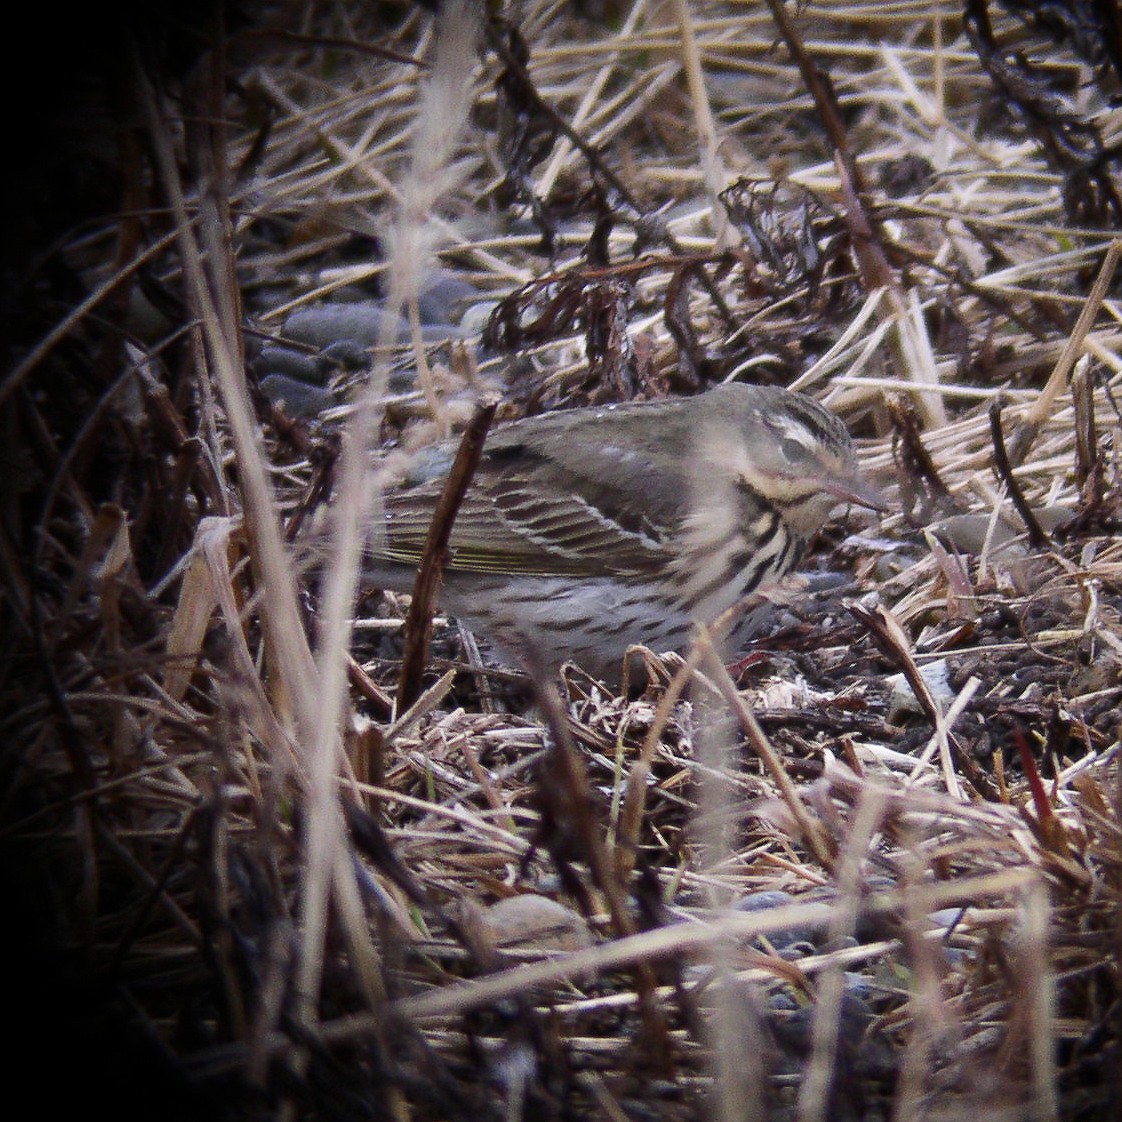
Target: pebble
<point x="902" y="700"/>
<point x="784" y="938"/>
<point x="287" y="362"/>
<point x="297" y="398"/>
<point x="361" y="323"/>
<point x="535" y="923"/>
<point x="444" y="298"/>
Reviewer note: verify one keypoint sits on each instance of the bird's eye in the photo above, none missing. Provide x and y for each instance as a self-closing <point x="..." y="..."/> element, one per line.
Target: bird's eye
<point x="791" y="449"/>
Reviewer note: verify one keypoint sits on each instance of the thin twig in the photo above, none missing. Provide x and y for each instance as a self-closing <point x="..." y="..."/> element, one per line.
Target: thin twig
<point x="810" y="830"/>
<point x="1027" y="431"/>
<point x="650" y="227"/>
<point x="1038" y="539"/>
<point x="889" y="638"/>
<point x="418" y="621"/>
<point x="564" y="785"/>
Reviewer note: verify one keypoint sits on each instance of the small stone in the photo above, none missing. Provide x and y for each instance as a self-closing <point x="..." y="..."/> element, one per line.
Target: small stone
<point x="362" y="322"/>
<point x="902" y="700"/>
<point x="784" y="938"/>
<point x="298" y="399"/>
<point x="535" y="923"/>
<point x="289" y="362"/>
<point x="443" y="296"/>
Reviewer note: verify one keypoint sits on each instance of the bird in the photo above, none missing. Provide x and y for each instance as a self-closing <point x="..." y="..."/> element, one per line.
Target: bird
<point x="591" y="530"/>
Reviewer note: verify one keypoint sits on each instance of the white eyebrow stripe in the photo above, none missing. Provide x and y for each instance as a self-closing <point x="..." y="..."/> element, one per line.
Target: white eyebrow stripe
<point x="794" y="428"/>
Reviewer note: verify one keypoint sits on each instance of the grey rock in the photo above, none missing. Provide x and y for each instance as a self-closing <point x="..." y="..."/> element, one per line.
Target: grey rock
<point x="297" y="398"/>
<point x="784" y="938"/>
<point x="361" y="323"/>
<point x="287" y="361"/>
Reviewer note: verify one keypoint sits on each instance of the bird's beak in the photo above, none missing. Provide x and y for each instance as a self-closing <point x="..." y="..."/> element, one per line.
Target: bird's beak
<point x="857" y="490"/>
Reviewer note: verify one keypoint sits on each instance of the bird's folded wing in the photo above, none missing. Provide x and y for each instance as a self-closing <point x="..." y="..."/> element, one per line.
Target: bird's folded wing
<point x="532" y="523"/>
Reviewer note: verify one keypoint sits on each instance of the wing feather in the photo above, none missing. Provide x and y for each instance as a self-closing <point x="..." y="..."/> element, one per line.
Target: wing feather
<point x="541" y="510"/>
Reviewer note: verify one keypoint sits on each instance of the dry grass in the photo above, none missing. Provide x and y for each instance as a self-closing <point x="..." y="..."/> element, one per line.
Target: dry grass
<point x="248" y="886"/>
